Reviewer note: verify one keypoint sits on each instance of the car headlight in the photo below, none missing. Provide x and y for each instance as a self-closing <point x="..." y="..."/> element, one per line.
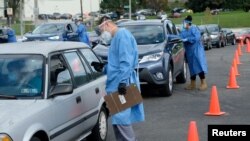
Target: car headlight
<point x="152" y="57"/>
<point x="214" y="36"/>
<point x="54" y="38"/>
<point x="5" y="137"/>
<point x="24" y="38"/>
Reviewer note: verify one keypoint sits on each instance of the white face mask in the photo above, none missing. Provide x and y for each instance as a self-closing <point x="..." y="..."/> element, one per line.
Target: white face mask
<point x="106" y="37"/>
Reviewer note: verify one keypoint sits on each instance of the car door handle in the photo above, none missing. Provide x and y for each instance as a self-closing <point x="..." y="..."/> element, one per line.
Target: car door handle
<point x="97" y="90"/>
<point x="78" y="99"/>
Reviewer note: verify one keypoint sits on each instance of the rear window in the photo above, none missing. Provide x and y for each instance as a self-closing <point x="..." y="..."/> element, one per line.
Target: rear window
<point x="49" y="29"/>
<point x="147" y="34"/>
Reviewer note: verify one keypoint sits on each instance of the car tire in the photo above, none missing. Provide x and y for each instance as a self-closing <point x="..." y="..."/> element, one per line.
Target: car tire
<point x="99" y="132"/>
<point x="167" y="89"/>
<point x="35" y="139"/>
<point x="182" y="77"/>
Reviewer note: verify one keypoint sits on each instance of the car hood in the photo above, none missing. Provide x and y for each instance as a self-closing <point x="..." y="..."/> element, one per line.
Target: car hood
<point x="13" y="111"/>
<point x="40" y="35"/>
<point x="102" y="50"/>
<point x="215" y="33"/>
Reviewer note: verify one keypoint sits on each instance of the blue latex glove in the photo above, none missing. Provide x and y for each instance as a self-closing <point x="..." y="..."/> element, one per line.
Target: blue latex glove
<point x="184" y="40"/>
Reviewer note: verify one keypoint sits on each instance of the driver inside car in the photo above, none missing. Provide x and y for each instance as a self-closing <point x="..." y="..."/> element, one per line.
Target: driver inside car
<point x="14" y="71"/>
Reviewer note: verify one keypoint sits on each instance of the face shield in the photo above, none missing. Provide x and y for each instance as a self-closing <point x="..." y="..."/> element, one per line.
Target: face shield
<point x="186" y="24"/>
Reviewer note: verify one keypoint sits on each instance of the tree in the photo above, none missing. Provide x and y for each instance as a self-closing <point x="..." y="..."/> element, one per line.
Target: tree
<point x="112" y="5"/>
<point x="197" y="5"/>
<point x="157" y="5"/>
<point x="14" y="4"/>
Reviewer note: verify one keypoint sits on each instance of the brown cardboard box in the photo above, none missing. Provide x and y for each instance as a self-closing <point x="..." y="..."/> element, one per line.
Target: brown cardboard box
<point x="116" y="102"/>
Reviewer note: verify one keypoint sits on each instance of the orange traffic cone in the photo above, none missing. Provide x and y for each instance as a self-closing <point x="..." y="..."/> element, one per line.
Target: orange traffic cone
<point x="248" y="46"/>
<point x="192" y="132"/>
<point x="239" y="50"/>
<point x="241" y="43"/>
<point x="232" y="83"/>
<point x="214" y="109"/>
<point x="235" y="66"/>
<point x="236" y="56"/>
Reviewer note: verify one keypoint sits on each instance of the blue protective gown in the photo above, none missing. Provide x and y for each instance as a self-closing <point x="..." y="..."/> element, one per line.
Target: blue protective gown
<point x="195" y="53"/>
<point x="122" y="61"/>
<point x="11" y="36"/>
<point x="82" y="34"/>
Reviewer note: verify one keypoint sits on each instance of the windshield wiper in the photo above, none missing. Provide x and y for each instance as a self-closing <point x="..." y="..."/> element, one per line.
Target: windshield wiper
<point x="7" y="97"/>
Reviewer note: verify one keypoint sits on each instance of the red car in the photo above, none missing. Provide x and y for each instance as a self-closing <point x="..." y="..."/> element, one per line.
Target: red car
<point x="243" y="35"/>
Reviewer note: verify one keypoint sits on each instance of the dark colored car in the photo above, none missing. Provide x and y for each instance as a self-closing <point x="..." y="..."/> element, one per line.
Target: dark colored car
<point x="205" y="37"/>
<point x="43" y="17"/>
<point x="218" y="38"/>
<point x="146" y="12"/>
<point x="3" y="35"/>
<point x="230" y="36"/>
<point x="56" y="16"/>
<point x="244" y="34"/>
<point x="53" y="32"/>
<point x="66" y="16"/>
<point x="161" y="53"/>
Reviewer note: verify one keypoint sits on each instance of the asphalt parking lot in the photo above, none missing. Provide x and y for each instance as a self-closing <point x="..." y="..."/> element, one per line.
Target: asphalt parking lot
<point x="168" y="118"/>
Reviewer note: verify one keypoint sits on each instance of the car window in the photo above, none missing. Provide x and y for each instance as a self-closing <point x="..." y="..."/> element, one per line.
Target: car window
<point x="59" y="73"/>
<point x="172" y="27"/>
<point x="74" y="27"/>
<point x="21" y="75"/>
<point x="80" y="75"/>
<point x="91" y="57"/>
<point x="49" y="29"/>
<point x="169" y="30"/>
<point x="147" y="34"/>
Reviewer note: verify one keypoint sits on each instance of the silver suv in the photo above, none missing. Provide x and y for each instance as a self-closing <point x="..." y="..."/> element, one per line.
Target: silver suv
<point x="50" y="92"/>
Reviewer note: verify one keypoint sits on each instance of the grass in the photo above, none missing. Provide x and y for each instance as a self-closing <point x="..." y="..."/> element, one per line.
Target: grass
<point x="232" y="19"/>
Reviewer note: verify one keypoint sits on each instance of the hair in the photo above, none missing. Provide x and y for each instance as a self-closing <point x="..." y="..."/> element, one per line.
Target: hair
<point x="103" y="18"/>
<point x="189" y="19"/>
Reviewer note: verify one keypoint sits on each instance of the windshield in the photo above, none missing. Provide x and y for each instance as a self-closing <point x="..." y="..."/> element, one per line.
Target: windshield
<point x="21" y="75"/>
<point x="147" y="34"/>
<point x="202" y="29"/>
<point x="49" y="29"/>
<point x="213" y="28"/>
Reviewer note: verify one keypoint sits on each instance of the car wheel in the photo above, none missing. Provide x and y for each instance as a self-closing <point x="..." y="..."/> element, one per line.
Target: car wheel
<point x="182" y="77"/>
<point x="167" y="89"/>
<point x="99" y="132"/>
<point x="35" y="139"/>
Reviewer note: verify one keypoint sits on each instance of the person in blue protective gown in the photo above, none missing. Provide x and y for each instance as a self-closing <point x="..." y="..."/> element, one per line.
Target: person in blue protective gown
<point x="120" y="70"/>
<point x="82" y="32"/>
<point x="11" y="35"/>
<point x="195" y="54"/>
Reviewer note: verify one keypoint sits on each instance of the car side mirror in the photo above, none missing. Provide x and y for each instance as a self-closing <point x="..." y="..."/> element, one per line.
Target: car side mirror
<point x="61" y="89"/>
<point x="174" y="40"/>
